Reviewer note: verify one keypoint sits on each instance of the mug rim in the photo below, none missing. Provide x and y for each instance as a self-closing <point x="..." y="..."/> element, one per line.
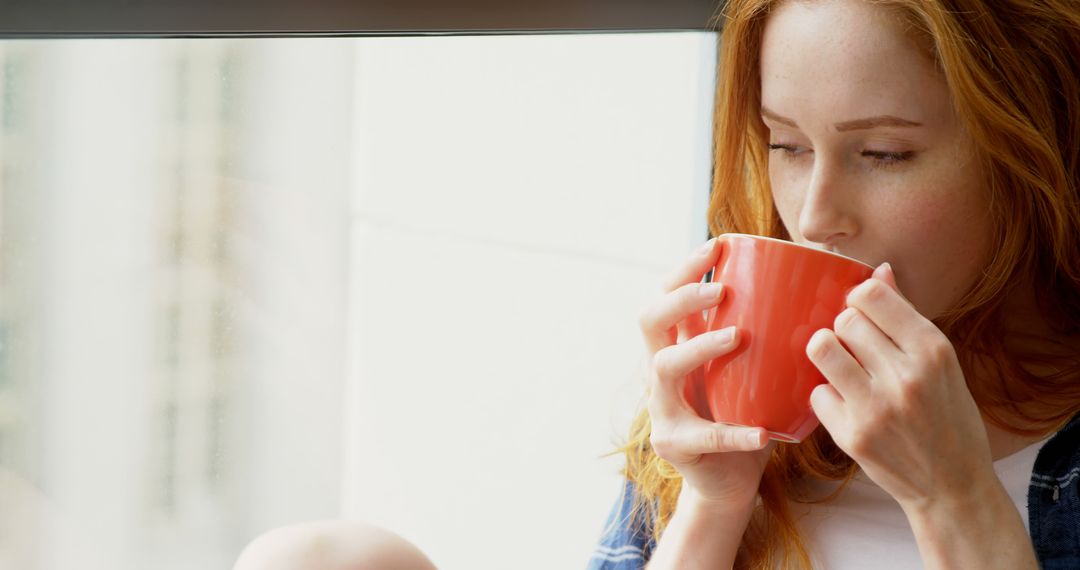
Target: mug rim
<point x="798" y="245"/>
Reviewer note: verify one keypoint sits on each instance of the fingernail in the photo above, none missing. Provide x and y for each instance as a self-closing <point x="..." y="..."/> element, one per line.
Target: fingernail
<point x="845" y="316"/>
<point x="883" y="269"/>
<point x="754" y="438"/>
<point x="725" y="335"/>
<point x="711" y="290"/>
<point x="708" y="246"/>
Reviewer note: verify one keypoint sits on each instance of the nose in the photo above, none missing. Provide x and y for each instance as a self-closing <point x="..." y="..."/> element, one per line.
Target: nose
<point x="828" y="209"/>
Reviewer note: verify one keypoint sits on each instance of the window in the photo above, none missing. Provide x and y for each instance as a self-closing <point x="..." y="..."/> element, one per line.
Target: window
<point x="246" y="282"/>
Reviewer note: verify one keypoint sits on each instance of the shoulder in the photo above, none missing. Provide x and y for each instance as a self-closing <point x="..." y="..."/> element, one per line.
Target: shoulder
<point x="1061" y="454"/>
<point x="1054" y="500"/>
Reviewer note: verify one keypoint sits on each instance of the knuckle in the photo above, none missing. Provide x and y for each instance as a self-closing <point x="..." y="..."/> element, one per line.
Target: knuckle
<point x="661" y="363"/>
<point x="856" y="294"/>
<point x="910" y="372"/>
<point x="909" y="386"/>
<point x="938" y="351"/>
<point x="728" y="439"/>
<point x="647" y="318"/>
<point x="661" y="444"/>
<point x="690" y="295"/>
<point x="867" y="291"/>
<point x="710" y="439"/>
<point x="665" y="363"/>
<point x="818" y="348"/>
<point x="874" y="289"/>
<point x="859" y="444"/>
<point x="859" y="441"/>
<point x="701" y="347"/>
<point x="676" y="360"/>
<point x="844" y="319"/>
<point x="710" y="345"/>
<point x="705" y="293"/>
<point x="886" y="416"/>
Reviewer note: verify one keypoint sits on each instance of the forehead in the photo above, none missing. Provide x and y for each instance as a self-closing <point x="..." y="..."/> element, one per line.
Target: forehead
<point x="846" y="57"/>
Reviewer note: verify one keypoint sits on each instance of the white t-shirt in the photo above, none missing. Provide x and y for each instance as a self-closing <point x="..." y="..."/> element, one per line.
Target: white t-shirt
<point x="865" y="528"/>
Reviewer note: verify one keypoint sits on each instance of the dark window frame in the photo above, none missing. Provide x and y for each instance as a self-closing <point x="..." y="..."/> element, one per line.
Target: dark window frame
<point x="273" y="18"/>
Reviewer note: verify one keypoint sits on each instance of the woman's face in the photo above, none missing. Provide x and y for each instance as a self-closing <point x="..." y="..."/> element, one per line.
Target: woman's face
<point x="867" y="156"/>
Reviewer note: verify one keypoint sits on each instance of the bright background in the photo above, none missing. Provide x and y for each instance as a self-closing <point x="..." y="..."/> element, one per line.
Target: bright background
<point x="245" y="283"/>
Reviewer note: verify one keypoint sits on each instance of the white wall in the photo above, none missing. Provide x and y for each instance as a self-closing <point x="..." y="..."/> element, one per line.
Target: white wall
<point x="516" y="205"/>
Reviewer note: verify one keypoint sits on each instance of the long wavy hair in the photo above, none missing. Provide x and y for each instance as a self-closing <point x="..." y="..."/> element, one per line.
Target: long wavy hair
<point x="1013" y="70"/>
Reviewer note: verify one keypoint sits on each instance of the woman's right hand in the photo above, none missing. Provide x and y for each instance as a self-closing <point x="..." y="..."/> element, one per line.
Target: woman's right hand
<point x="722" y="465"/>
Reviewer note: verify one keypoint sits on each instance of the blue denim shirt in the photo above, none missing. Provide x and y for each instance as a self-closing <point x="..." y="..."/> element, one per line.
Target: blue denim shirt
<point x="1054" y="501"/>
<point x="1053" y="511"/>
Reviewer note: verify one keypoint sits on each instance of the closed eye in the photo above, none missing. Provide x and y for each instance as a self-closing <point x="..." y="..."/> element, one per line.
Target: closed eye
<point x="790" y="150"/>
<point x="884" y="159"/>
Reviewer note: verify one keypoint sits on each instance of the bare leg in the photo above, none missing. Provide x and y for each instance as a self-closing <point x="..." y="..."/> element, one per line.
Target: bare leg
<point x="331" y="545"/>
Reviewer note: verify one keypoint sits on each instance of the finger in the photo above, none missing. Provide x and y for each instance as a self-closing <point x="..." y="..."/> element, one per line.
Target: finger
<point x="694" y="323"/>
<point x="672" y="364"/>
<point x="837" y="365"/>
<point x="885" y="273"/>
<point x="892" y="314"/>
<point x="658" y="322"/>
<point x="828" y="406"/>
<point x="873" y="349"/>
<point x="695" y="437"/>
<point x="693" y="270"/>
<point x="695" y="267"/>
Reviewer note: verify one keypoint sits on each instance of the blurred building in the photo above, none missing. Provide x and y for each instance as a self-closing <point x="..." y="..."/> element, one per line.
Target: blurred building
<point x="249" y="282"/>
<point x="146" y="300"/>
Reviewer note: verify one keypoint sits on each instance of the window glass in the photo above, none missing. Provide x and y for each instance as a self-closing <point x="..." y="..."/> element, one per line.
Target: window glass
<point x="207" y="248"/>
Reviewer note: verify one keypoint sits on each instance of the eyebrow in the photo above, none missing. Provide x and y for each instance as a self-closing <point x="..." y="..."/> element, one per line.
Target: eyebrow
<point x="852" y="125"/>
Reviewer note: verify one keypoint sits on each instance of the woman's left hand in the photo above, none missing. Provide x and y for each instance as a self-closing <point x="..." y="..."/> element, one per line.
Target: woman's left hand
<point x="896" y="400"/>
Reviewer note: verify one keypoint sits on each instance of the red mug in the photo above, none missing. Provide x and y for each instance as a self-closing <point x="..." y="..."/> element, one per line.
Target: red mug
<point x="777" y="293"/>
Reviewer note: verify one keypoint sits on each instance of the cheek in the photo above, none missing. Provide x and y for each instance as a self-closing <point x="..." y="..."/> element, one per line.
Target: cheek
<point x="786" y="194"/>
<point x="945" y="250"/>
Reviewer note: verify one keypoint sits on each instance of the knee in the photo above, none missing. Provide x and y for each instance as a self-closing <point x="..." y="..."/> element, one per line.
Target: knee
<point x="331" y="545"/>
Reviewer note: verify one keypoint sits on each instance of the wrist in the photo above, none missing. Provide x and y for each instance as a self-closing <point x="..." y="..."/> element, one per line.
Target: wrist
<point x="979" y="495"/>
<point x="692" y="502"/>
<point x="977" y="528"/>
<point x="703" y="533"/>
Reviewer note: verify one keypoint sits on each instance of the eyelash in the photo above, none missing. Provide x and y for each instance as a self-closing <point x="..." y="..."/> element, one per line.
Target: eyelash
<point x="880" y="159"/>
<point x="888" y="159"/>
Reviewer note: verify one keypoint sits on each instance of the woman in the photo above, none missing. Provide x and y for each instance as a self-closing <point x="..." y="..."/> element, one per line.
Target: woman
<point x="938" y="140"/>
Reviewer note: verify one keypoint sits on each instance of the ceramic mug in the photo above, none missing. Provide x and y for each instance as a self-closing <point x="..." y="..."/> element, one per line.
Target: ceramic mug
<point x="777" y="293"/>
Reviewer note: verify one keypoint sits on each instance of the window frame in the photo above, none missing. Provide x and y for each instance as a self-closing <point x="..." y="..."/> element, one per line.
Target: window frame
<point x="261" y="18"/>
